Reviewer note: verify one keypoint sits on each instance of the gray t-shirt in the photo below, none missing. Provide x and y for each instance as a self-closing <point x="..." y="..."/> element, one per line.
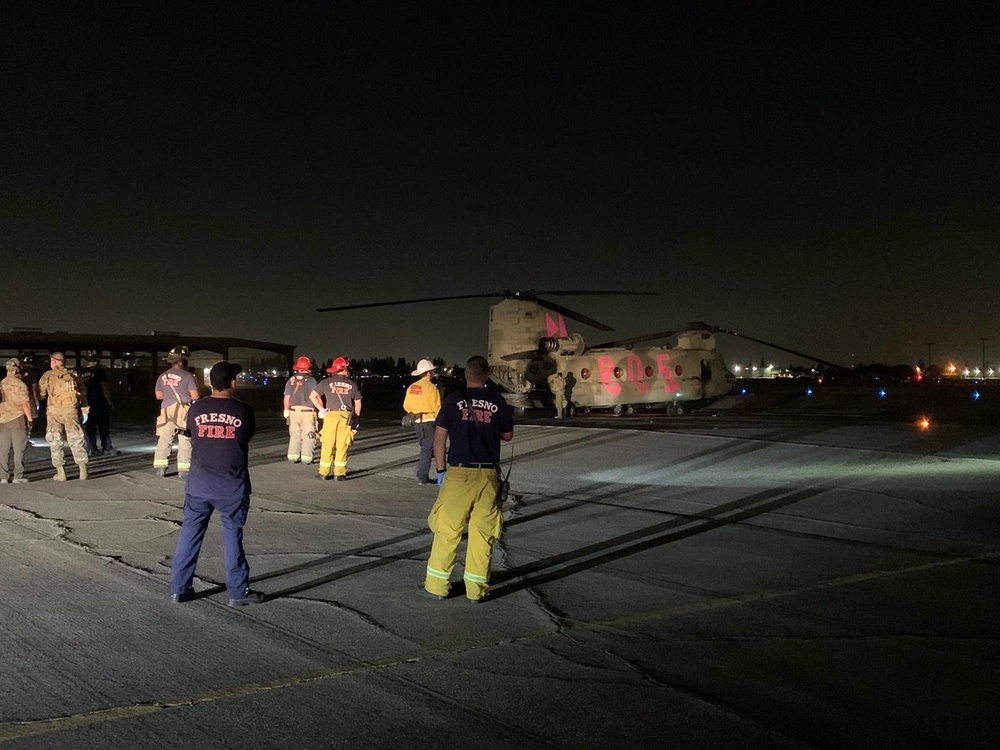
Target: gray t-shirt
<point x="298" y="389"/>
<point x="183" y="383"/>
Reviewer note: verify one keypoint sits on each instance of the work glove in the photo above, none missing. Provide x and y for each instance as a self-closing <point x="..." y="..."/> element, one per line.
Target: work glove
<point x="322" y="413"/>
<point x="356" y="423"/>
<point x="440" y="479"/>
<point x="286" y="413"/>
<point x="84" y="416"/>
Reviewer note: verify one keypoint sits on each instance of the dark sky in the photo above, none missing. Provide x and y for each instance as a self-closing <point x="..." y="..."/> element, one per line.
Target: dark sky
<point x="823" y="175"/>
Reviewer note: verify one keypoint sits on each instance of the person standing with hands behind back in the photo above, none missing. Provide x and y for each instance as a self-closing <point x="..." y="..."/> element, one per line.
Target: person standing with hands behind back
<point x="221" y="428"/>
<point x="471" y="424"/>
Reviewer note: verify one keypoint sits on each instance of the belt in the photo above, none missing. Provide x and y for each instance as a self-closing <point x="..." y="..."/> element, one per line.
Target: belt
<point x="473" y="466"/>
<point x="302" y="408"/>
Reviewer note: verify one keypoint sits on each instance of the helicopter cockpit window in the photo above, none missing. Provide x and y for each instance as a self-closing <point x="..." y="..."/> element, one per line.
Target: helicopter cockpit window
<point x="706" y="370"/>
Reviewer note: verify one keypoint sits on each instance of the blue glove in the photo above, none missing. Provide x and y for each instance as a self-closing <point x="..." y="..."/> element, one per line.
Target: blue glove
<point x="440" y="477"/>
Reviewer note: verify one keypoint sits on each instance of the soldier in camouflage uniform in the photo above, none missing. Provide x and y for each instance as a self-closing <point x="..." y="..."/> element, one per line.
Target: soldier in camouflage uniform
<point x="15" y="422"/>
<point x="65" y="400"/>
<point x="557" y="384"/>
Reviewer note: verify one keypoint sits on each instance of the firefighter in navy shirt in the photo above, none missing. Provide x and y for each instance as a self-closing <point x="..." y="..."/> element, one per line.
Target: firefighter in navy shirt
<point x="471" y="424"/>
<point x="221" y="427"/>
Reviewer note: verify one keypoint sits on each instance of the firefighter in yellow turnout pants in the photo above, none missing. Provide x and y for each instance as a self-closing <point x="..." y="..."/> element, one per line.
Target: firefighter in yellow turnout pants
<point x="341" y="415"/>
<point x="471" y="424"/>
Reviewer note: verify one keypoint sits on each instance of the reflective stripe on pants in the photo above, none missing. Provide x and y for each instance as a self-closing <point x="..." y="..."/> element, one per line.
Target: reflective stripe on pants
<point x="301" y="435"/>
<point x="336" y="438"/>
<point x="467" y="496"/>
<point x="165" y="440"/>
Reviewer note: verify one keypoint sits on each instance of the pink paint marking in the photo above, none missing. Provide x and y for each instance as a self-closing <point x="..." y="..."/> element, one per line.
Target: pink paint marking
<point x="663" y="365"/>
<point x="607" y="366"/>
<point x="555" y="327"/>
<point x="635" y="373"/>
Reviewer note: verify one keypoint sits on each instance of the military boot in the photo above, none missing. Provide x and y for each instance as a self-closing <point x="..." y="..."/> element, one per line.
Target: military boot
<point x="83" y="471"/>
<point x="60" y="474"/>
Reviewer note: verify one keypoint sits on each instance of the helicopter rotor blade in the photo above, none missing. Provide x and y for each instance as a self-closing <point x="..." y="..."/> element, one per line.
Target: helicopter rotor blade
<point x="530" y="294"/>
<point x="338" y="308"/>
<point x="626" y="343"/>
<point x="573" y="315"/>
<point x="810" y="357"/>
<point x="526" y="354"/>
<point x="593" y="292"/>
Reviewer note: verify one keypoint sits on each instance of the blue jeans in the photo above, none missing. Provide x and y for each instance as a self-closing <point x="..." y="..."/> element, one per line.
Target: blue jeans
<point x="197" y="512"/>
<point x="425" y="438"/>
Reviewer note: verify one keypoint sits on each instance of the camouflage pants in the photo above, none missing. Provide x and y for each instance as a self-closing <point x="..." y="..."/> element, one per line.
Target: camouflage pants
<point x="63" y="426"/>
<point x="559" y="400"/>
<point x="301" y="435"/>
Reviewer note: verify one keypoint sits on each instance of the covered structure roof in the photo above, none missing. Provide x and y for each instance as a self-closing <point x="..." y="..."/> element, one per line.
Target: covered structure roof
<point x="128" y="345"/>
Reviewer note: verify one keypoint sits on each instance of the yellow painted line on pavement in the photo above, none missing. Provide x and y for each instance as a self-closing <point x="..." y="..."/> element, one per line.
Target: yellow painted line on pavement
<point x="20" y="730"/>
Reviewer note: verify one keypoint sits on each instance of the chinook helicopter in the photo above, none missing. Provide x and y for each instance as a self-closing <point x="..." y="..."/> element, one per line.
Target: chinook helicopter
<point x="529" y="342"/>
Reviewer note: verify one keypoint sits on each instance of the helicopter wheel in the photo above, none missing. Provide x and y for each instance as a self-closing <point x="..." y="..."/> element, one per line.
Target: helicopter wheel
<point x="586" y="410"/>
<point x="679" y="410"/>
<point x="671" y="409"/>
<point x="630" y="409"/>
<point x="618" y="410"/>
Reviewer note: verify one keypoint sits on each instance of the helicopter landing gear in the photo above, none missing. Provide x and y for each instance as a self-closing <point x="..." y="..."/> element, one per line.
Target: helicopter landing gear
<point x="630" y="409"/>
<point x="678" y="410"/>
<point x="674" y="409"/>
<point x="617" y="410"/>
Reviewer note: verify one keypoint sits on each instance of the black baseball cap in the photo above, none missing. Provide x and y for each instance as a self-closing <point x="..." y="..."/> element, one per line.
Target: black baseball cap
<point x="223" y="374"/>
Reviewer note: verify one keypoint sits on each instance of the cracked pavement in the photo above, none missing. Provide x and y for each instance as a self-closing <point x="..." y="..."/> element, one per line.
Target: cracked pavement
<point x="771" y="584"/>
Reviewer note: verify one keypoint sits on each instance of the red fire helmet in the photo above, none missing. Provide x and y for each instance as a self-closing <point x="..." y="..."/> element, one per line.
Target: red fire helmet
<point x="302" y="364"/>
<point x="340" y="363"/>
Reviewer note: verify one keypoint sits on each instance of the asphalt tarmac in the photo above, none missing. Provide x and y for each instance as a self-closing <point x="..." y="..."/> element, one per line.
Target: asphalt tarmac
<point x="724" y="582"/>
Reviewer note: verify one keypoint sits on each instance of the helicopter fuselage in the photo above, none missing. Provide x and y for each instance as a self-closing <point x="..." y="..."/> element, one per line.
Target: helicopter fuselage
<point x="528" y="344"/>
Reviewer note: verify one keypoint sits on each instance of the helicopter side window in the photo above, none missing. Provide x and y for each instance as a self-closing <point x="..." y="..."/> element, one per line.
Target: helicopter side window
<point x="706" y="370"/>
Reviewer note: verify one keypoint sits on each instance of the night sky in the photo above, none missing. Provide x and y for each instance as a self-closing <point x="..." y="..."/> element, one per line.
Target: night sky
<point x="823" y="175"/>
